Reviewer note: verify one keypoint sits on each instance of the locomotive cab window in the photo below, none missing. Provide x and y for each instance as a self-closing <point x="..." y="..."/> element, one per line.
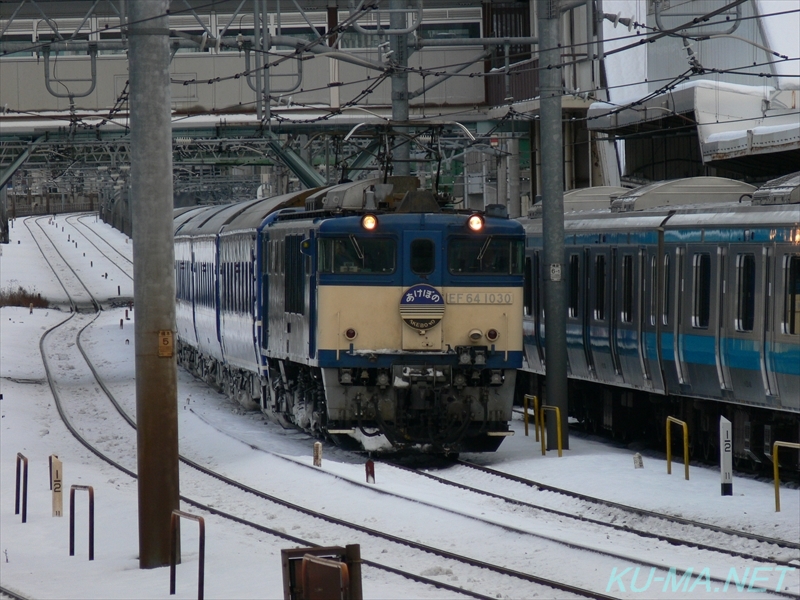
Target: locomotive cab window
<point x="423" y="256"/>
<point x="485" y="256"/>
<point x="357" y="255"/>
<point x="791" y="300"/>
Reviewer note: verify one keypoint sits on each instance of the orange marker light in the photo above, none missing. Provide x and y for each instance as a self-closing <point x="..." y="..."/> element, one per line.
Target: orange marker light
<point x="475" y="222"/>
<point x="369" y="222"/>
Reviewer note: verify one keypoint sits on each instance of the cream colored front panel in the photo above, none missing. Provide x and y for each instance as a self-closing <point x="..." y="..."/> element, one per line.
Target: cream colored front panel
<point x="374" y="313"/>
<point x="482" y="309"/>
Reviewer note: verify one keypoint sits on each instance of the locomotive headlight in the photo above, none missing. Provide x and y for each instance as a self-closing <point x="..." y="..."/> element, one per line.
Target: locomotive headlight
<point x="350" y="334"/>
<point x="475" y="335"/>
<point x="492" y="335"/>
<point x="475" y="222"/>
<point x="369" y="222"/>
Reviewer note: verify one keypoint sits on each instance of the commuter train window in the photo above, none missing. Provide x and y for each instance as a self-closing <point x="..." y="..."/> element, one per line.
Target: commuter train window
<point x="791" y="300"/>
<point x="491" y="255"/>
<point x="423" y="256"/>
<point x="627" y="288"/>
<point x="653" y="289"/>
<point x="600" y="287"/>
<point x="702" y="290"/>
<point x="666" y="290"/>
<point x="745" y="292"/>
<point x="527" y="293"/>
<point x="357" y="255"/>
<point x="574" y="286"/>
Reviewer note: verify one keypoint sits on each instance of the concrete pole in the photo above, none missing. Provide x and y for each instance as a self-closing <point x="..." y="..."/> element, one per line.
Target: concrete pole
<point x="154" y="280"/>
<point x="399" y="47"/>
<point x="514" y="202"/>
<point x="553" y="214"/>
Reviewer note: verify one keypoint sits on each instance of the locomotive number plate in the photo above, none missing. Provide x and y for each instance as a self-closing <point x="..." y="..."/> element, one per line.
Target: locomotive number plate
<point x="479" y="298"/>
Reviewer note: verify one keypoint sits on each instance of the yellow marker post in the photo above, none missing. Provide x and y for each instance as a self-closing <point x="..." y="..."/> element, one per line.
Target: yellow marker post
<point x="546" y="407"/>
<point x="685" y="446"/>
<point x="535" y="414"/>
<point x="775" y="447"/>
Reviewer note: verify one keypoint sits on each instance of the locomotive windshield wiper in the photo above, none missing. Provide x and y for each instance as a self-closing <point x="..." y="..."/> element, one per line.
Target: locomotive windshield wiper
<point x="485" y="247"/>
<point x="359" y="252"/>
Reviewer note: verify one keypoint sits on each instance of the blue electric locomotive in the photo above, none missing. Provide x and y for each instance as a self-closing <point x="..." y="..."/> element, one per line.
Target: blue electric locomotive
<point x="366" y="312"/>
<point x="684" y="300"/>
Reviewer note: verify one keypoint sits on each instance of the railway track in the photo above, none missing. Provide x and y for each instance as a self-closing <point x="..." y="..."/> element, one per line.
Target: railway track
<point x="508" y="579"/>
<point x="636" y="521"/>
<point x="89" y="417"/>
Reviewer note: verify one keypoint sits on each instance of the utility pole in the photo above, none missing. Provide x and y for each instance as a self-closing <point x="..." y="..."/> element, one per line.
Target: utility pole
<point x="153" y="280"/>
<point x="399" y="47"/>
<point x="552" y="161"/>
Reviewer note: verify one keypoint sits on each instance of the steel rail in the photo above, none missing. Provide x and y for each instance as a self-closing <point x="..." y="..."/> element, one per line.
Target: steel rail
<point x="80" y="438"/>
<point x="631" y="509"/>
<point x="622" y="528"/>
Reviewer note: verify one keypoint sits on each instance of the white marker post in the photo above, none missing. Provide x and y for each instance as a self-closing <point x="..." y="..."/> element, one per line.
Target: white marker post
<point x="58" y="494"/>
<point x="725" y="457"/>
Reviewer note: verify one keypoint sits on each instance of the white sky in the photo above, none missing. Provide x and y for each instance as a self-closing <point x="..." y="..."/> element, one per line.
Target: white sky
<point x="241" y="563"/>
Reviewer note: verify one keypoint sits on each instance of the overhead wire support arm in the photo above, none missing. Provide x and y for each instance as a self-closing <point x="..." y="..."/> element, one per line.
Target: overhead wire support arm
<point x="737" y="18"/>
<point x="92" y="81"/>
<point x="390" y="31"/>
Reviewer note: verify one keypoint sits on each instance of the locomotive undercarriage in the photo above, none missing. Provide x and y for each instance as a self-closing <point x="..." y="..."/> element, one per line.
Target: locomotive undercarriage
<point x="413" y="407"/>
<point x="632" y="415"/>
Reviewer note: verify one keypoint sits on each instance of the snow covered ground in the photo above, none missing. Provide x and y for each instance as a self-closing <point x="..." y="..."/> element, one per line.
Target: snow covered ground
<point x="242" y="563"/>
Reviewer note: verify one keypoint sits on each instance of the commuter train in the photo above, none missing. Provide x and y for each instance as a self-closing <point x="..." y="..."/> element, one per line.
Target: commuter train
<point x="368" y="312"/>
<point x="683" y="299"/>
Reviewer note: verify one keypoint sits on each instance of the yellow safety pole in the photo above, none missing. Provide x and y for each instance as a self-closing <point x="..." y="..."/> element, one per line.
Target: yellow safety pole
<point x="558" y="427"/>
<point x="775" y="447"/>
<point x="685" y="446"/>
<point x="541" y="424"/>
<point x="535" y="414"/>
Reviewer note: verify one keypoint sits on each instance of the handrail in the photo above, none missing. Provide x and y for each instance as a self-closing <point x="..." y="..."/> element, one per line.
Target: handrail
<point x="775" y="447"/>
<point x="173" y="554"/>
<point x="546" y="407"/>
<point x="685" y="446"/>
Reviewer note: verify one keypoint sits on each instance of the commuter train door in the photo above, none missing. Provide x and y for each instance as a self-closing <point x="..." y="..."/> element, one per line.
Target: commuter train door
<point x="745" y="319"/>
<point x="422" y="270"/>
<point x="699" y="325"/>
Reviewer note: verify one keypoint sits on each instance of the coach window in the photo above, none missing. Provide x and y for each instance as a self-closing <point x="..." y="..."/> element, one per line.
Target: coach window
<point x="791" y="301"/>
<point x="745" y="291"/>
<point x="600" y="287"/>
<point x="574" y="287"/>
<point x="702" y="290"/>
<point x="627" y="288"/>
